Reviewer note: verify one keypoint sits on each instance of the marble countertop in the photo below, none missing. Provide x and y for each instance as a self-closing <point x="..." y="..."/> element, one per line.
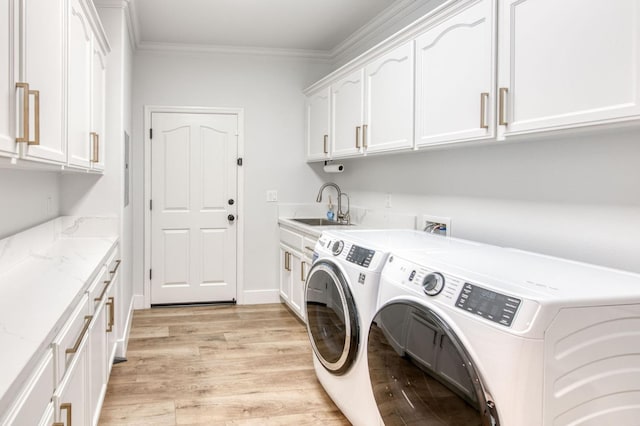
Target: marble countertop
<point x="314" y="231"/>
<point x="39" y="288"/>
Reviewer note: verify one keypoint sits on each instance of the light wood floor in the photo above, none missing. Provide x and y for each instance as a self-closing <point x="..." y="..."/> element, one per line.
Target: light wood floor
<point x="222" y="365"/>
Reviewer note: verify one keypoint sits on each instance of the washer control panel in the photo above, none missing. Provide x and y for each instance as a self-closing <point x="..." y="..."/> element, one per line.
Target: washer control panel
<point x="433" y="283"/>
<point x="360" y="256"/>
<point x="488" y="304"/>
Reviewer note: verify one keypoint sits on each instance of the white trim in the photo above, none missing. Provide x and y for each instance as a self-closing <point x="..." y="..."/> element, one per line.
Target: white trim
<point x="130" y="17"/>
<point x="259" y="297"/>
<point x="148" y="110"/>
<point x="234" y="50"/>
<point x="121" y="349"/>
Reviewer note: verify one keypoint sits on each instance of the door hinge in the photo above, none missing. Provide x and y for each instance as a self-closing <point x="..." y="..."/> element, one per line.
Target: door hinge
<point x="150" y="204"/>
<point x="150" y="133"/>
<point x="239" y="161"/>
<point x="150" y="274"/>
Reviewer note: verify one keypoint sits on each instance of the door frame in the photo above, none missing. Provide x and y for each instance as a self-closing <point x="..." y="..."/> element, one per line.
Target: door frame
<point x="238" y="112"/>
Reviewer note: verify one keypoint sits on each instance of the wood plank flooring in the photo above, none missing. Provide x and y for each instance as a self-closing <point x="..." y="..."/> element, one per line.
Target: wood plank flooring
<point x="219" y="365"/>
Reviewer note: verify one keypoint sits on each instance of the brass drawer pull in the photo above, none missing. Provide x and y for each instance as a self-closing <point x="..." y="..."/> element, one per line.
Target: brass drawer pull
<point x="116" y="268"/>
<point x="302" y="277"/>
<point x="87" y="321"/>
<point x="25" y="112"/>
<point x="357" y="137"/>
<point x="326" y="144"/>
<point x="104" y="290"/>
<point x="36" y="113"/>
<point x="364" y="135"/>
<point x="67" y="407"/>
<point x="112" y="308"/>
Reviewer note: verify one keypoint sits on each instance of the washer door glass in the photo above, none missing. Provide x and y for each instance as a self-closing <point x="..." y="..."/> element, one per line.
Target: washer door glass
<point x="332" y="319"/>
<point x="421" y="373"/>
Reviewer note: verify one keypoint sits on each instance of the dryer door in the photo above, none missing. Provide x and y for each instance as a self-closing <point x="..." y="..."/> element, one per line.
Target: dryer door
<point x="420" y="371"/>
<point x="332" y="319"/>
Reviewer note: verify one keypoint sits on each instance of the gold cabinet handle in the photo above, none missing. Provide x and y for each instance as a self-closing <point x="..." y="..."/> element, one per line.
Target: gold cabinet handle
<point x="97" y="151"/>
<point x="364" y="135"/>
<point x="484" y="97"/>
<point x="286" y="261"/>
<point x="95" y="144"/>
<point x="116" y="268"/>
<point x="104" y="290"/>
<point x="87" y="321"/>
<point x="326" y="144"/>
<point x="67" y="407"/>
<point x="503" y="95"/>
<point x="25" y="112"/>
<point x="36" y="113"/>
<point x="302" y="277"/>
<point x="358" y="137"/>
<point x="112" y="308"/>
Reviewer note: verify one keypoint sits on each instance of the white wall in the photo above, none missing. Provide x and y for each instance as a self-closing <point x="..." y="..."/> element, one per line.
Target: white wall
<point x="270" y="91"/>
<point x="573" y="196"/>
<point x="29" y="198"/>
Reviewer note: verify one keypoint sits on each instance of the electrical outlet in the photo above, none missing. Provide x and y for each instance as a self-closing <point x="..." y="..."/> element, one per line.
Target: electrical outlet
<point x="272" y="196"/>
<point x="387" y="201"/>
<point x="436" y="225"/>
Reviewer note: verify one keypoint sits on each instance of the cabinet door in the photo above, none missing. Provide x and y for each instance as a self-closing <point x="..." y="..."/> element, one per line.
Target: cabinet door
<point x="8" y="70"/>
<point x="97" y="364"/>
<point x="71" y="396"/>
<point x="388" y="121"/>
<point x="42" y="60"/>
<point x="285" y="274"/>
<point x="298" y="271"/>
<point x="111" y="306"/>
<point x="568" y="63"/>
<point x="347" y="99"/>
<point x="98" y="91"/>
<point x="455" y="77"/>
<point x="80" y="136"/>
<point x="318" y="138"/>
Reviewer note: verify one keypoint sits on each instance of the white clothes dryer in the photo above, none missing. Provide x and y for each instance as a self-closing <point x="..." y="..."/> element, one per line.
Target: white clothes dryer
<point x="497" y="336"/>
<point x="341" y="294"/>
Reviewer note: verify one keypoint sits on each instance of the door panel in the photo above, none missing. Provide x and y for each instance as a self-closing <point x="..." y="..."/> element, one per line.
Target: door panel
<point x="347" y="97"/>
<point x="193" y="247"/>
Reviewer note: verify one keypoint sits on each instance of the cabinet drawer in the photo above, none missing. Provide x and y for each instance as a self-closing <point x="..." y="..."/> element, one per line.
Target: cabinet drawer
<point x="34" y="402"/>
<point x="113" y="262"/>
<point x="291" y="239"/>
<point x="98" y="289"/>
<point x="66" y="344"/>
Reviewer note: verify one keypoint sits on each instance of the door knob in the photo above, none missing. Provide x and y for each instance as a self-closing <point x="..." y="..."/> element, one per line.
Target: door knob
<point x="231" y="218"/>
<point x="231" y="201"/>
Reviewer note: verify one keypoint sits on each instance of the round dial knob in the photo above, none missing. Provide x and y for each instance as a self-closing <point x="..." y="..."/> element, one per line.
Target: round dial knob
<point x="433" y="283"/>
<point x="337" y="247"/>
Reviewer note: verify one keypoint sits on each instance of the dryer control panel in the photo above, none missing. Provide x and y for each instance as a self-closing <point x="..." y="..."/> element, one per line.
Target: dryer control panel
<point x="360" y="256"/>
<point x="488" y="304"/>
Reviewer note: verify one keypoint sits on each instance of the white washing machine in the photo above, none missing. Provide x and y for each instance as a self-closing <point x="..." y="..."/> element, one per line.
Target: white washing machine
<point x="496" y="336"/>
<point x="341" y="294"/>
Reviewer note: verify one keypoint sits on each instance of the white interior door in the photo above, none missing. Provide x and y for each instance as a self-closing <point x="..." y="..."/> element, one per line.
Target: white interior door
<point x="193" y="227"/>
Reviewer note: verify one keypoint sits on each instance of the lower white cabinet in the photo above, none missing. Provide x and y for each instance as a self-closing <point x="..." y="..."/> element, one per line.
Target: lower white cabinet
<point x="69" y="383"/>
<point x="296" y="250"/>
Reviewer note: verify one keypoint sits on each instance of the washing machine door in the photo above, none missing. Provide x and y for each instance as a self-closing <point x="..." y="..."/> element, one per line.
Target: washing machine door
<point x="332" y="318"/>
<point x="420" y="371"/>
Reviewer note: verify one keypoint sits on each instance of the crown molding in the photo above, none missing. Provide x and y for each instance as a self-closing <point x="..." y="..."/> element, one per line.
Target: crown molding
<point x="129" y="8"/>
<point x="319" y="55"/>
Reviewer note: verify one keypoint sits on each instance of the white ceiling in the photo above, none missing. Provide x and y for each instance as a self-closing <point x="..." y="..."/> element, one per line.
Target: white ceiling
<point x="296" y="25"/>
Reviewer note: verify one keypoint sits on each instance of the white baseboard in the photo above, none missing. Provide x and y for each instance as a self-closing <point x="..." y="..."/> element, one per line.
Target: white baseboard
<point x="258" y="297"/>
<point x="138" y="302"/>
<point x="121" y="349"/>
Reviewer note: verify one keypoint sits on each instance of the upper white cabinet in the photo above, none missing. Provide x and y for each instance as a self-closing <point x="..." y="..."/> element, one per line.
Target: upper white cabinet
<point x="388" y="123"/>
<point x="52" y="82"/>
<point x="8" y="71"/>
<point x="347" y="115"/>
<point x="80" y="136"/>
<point x="455" y="77"/>
<point x="42" y="71"/>
<point x="318" y="138"/>
<point x="567" y="63"/>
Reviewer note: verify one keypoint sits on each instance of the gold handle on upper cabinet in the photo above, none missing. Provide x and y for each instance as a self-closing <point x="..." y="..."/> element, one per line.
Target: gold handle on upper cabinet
<point x="87" y="321"/>
<point x="36" y="114"/>
<point x="326" y="144"/>
<point x="112" y="309"/>
<point x="116" y="268"/>
<point x="67" y="407"/>
<point x="25" y="112"/>
<point x="97" y="151"/>
<point x="502" y="113"/>
<point x="358" y="137"/>
<point x="364" y="135"/>
<point x="302" y="277"/>
<point x="484" y="97"/>
<point x="94" y="147"/>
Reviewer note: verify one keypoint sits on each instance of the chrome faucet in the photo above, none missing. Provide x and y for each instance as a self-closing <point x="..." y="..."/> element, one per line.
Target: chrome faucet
<point x="343" y="217"/>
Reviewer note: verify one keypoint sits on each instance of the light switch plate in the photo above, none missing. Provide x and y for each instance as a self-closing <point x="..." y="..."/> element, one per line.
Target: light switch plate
<point x="272" y="196"/>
